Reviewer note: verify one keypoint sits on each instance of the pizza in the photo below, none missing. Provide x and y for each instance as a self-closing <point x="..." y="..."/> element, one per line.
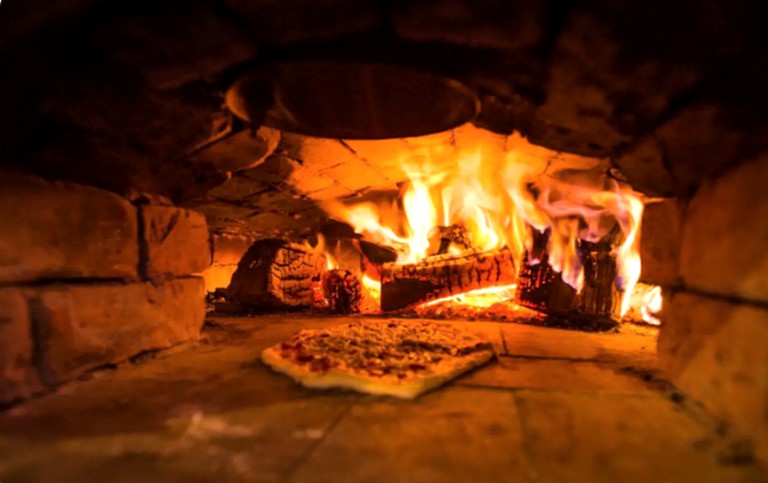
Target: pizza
<point x="394" y="358"/>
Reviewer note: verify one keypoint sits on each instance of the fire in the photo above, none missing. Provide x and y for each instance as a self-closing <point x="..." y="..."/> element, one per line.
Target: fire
<point x="372" y="288"/>
<point x="483" y="297"/>
<point x="498" y="197"/>
<point x="651" y="306"/>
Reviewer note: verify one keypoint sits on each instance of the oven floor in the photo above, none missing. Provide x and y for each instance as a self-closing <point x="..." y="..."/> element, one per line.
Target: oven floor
<point x="557" y="406"/>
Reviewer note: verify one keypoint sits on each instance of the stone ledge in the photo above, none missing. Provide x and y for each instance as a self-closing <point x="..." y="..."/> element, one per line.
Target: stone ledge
<point x="17" y="376"/>
<point x="176" y="241"/>
<point x="725" y="235"/>
<point x="717" y="352"/>
<point x="84" y="326"/>
<point x="57" y="230"/>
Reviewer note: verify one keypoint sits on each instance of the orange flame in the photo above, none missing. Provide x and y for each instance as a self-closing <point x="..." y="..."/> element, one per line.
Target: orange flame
<point x="372" y="287"/>
<point x="497" y="195"/>
<point x="482" y="297"/>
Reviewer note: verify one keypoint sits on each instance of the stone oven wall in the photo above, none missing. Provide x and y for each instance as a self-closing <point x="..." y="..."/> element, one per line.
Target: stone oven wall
<point x="710" y="256"/>
<point x="227" y="252"/>
<point x="88" y="279"/>
<point x="129" y="94"/>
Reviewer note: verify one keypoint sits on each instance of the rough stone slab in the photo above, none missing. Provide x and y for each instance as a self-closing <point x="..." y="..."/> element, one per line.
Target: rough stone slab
<point x="717" y="352"/>
<point x="85" y="326"/>
<point x="213" y="412"/>
<point x="660" y="241"/>
<point x="455" y="434"/>
<point x="244" y="150"/>
<point x="292" y="21"/>
<point x="229" y="249"/>
<point x="523" y="373"/>
<point x="625" y="349"/>
<point x="54" y="230"/>
<point x="725" y="235"/>
<point x="17" y="376"/>
<point x="198" y="44"/>
<point x="488" y="25"/>
<point x="227" y="252"/>
<point x="700" y="142"/>
<point x="588" y="437"/>
<point x="176" y="241"/>
<point x="250" y="444"/>
<point x="644" y="168"/>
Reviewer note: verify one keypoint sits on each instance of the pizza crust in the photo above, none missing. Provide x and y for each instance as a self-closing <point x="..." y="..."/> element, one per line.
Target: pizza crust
<point x="419" y="382"/>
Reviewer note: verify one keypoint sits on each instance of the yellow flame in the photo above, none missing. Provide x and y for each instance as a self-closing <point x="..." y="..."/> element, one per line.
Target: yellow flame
<point x="482" y="297"/>
<point x="652" y="305"/>
<point x="372" y="287"/>
<point x="498" y="197"/>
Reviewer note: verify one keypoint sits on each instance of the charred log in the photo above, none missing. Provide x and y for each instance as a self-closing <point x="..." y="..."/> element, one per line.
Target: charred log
<point x="443" y="276"/>
<point x="442" y="238"/>
<point x="541" y="288"/>
<point x="343" y="292"/>
<point x="599" y="294"/>
<point x="377" y="254"/>
<point x="275" y="274"/>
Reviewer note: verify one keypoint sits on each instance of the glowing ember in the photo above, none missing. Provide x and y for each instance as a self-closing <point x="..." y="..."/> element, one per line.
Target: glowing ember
<point x="483" y="297"/>
<point x="498" y="197"/>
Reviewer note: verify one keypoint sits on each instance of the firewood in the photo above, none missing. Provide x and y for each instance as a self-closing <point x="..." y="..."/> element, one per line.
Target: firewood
<point x="444" y="275"/>
<point x="541" y="288"/>
<point x="441" y="238"/>
<point x="275" y="274"/>
<point x="599" y="294"/>
<point x="377" y="254"/>
<point x="343" y="292"/>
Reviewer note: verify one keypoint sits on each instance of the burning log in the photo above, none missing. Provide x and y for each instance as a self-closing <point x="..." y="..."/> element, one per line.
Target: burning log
<point x="275" y="274"/>
<point x="343" y="292"/>
<point x="443" y="276"/>
<point x="441" y="238"/>
<point x="599" y="295"/>
<point x="541" y="288"/>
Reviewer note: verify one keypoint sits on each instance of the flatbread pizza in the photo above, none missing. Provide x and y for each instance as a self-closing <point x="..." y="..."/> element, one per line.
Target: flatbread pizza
<point x="395" y="358"/>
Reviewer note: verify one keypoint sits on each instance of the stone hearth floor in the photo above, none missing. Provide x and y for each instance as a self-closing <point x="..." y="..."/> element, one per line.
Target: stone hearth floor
<point x="558" y="406"/>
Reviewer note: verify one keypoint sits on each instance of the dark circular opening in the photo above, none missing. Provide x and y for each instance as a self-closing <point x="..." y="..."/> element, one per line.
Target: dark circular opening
<point x="352" y="100"/>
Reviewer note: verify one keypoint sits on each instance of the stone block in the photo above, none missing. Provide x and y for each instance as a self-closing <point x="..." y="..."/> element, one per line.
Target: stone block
<point x="84" y="326"/>
<point x="644" y="167"/>
<point x="717" y="352"/>
<point x="702" y="141"/>
<point x="227" y="252"/>
<point x="56" y="230"/>
<point x="660" y="241"/>
<point x="172" y="46"/>
<point x="725" y="235"/>
<point x="229" y="249"/>
<point x="17" y="376"/>
<point x="579" y="436"/>
<point x="291" y="21"/>
<point x="244" y="150"/>
<point x="491" y="24"/>
<point x="560" y="375"/>
<point x="176" y="241"/>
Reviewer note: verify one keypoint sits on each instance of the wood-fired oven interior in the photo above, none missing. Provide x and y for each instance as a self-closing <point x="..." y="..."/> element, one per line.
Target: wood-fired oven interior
<point x="556" y="210"/>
